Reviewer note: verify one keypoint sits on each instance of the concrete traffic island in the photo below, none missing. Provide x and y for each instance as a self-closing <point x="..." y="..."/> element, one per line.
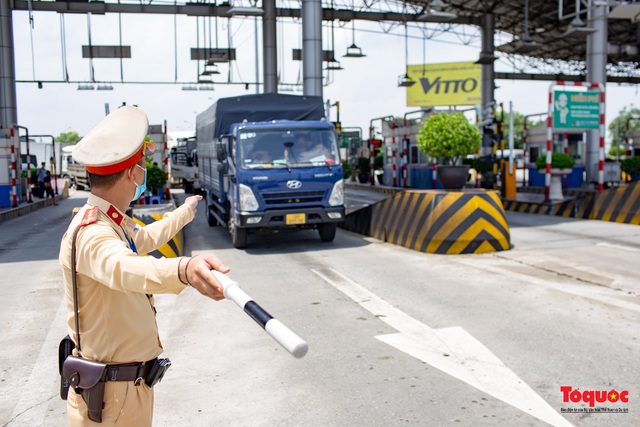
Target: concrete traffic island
<point x="439" y="222"/>
<point x="147" y="214"/>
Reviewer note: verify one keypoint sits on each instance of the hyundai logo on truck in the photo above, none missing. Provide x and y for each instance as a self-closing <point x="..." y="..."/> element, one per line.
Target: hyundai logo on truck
<point x="293" y="184"/>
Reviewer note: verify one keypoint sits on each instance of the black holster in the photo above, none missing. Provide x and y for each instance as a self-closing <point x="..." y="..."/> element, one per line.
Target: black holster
<point x="94" y="398"/>
<point x="87" y="379"/>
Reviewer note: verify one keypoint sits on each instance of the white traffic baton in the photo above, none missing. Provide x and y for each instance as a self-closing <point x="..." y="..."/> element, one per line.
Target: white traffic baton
<point x="281" y="333"/>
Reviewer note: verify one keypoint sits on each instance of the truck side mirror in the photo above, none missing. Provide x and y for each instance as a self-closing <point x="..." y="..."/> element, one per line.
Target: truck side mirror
<point x="223" y="167"/>
<point x="221" y="150"/>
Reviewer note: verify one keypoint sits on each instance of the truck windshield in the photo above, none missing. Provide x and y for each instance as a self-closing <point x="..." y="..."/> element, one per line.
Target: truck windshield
<point x="287" y="148"/>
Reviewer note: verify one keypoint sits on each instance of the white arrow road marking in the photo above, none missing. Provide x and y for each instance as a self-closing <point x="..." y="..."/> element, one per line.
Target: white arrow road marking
<point x="452" y="350"/>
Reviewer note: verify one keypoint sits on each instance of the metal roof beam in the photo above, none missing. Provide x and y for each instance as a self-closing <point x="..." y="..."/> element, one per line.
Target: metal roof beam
<point x="561" y="77"/>
<point x="199" y="9"/>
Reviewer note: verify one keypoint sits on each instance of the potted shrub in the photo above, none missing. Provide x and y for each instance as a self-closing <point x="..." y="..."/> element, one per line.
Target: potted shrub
<point x="449" y="137"/>
<point x="559" y="162"/>
<point x="561" y="165"/>
<point x="156" y="179"/>
<point x="631" y="166"/>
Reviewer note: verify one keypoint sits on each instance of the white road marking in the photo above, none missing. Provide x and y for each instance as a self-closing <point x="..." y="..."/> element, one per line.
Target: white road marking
<point x="452" y="350"/>
<point x="41" y="392"/>
<point x="622" y="247"/>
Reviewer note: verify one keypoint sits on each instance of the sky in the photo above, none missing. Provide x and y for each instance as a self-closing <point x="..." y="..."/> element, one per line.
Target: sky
<point x="366" y="88"/>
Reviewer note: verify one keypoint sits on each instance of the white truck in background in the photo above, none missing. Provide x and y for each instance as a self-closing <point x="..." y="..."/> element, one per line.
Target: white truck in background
<point x="183" y="158"/>
<point x="74" y="172"/>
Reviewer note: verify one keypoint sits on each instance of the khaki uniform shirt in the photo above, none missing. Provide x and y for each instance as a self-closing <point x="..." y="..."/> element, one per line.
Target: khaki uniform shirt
<point x="117" y="319"/>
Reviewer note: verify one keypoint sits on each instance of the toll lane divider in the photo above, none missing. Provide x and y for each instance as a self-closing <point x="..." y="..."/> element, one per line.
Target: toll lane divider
<point x="437" y="222"/>
<point x="620" y="204"/>
<point x="147" y="214"/>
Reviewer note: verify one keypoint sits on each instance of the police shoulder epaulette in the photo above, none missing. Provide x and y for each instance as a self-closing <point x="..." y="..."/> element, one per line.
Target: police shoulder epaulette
<point x="90" y="216"/>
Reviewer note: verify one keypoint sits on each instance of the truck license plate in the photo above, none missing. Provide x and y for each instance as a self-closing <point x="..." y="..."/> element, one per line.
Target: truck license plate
<point x="292" y="219"/>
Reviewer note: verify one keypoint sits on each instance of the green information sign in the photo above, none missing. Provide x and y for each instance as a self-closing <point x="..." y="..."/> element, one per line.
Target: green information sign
<point x="574" y="110"/>
<point x="345" y="136"/>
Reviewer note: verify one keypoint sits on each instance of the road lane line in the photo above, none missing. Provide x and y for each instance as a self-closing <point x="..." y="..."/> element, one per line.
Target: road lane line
<point x="615" y="246"/>
<point x="452" y="350"/>
<point x="41" y="392"/>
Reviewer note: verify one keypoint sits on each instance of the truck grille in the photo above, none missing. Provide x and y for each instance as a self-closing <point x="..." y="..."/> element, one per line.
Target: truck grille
<point x="293" y="197"/>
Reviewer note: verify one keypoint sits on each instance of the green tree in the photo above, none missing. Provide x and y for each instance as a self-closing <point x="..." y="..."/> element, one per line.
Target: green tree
<point x="448" y="137"/>
<point x="68" y="137"/>
<point x="617" y="128"/>
<point x="518" y="128"/>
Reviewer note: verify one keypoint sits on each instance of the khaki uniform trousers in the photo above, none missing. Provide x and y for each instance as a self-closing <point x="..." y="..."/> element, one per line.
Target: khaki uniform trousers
<point x="125" y="404"/>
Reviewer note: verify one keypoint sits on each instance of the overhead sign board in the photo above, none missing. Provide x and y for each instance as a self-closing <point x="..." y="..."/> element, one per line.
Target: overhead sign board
<point x="576" y="111"/>
<point x="451" y="83"/>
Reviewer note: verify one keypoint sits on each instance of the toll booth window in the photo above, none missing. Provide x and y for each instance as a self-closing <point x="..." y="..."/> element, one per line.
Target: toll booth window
<point x="534" y="153"/>
<point x="413" y="155"/>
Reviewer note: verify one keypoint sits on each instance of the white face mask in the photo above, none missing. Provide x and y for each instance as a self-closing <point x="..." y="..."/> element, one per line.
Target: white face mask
<point x="142" y="187"/>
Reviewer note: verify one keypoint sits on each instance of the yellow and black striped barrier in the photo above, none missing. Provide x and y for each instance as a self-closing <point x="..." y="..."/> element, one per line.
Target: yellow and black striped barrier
<point x="147" y="214"/>
<point x="619" y="204"/>
<point x="442" y="222"/>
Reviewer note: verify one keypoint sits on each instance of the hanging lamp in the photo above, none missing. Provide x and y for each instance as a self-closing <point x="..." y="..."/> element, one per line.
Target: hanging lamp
<point x="405" y="80"/>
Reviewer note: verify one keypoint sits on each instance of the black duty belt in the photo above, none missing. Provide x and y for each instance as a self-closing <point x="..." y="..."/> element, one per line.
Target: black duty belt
<point x="129" y="371"/>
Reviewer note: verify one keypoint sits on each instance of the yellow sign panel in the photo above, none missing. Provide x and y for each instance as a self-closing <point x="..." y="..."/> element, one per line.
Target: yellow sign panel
<point x="451" y="83"/>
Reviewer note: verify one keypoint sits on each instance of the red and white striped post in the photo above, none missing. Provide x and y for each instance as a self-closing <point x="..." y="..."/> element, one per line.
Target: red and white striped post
<point x="588" y="85"/>
<point x="525" y="151"/>
<point x="29" y="195"/>
<point x="165" y="162"/>
<point x="547" y="175"/>
<point x="601" y="160"/>
<point x="394" y="153"/>
<point x="434" y="174"/>
<point x="14" y="174"/>
<point x="371" y="169"/>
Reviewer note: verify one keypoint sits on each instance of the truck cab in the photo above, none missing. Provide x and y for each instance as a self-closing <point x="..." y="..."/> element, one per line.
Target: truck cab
<point x="271" y="176"/>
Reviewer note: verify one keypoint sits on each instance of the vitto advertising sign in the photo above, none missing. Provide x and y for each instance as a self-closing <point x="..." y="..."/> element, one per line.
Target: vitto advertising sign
<point x="451" y="83"/>
<point x="574" y="110"/>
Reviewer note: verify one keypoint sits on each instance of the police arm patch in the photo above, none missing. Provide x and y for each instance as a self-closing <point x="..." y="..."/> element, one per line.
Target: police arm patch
<point x="90" y="216"/>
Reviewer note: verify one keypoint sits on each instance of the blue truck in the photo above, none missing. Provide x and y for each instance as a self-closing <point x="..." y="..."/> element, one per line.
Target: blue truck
<point x="270" y="163"/>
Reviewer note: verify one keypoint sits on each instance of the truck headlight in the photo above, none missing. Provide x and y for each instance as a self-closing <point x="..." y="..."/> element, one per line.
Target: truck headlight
<point x="248" y="201"/>
<point x="337" y="194"/>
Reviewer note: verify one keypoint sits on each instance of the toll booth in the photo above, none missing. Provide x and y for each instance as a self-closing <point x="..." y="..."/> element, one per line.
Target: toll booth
<point x="404" y="165"/>
<point x="562" y="142"/>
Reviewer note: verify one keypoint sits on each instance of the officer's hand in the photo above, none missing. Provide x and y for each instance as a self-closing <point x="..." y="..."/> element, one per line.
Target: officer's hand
<point x="192" y="202"/>
<point x="199" y="275"/>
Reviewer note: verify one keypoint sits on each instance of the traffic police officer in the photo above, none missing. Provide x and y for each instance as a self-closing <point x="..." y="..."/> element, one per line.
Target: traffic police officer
<point x="117" y="322"/>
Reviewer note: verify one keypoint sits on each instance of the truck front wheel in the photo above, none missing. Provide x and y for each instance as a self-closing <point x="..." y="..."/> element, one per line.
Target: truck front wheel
<point x="327" y="231"/>
<point x="238" y="235"/>
<point x="188" y="186"/>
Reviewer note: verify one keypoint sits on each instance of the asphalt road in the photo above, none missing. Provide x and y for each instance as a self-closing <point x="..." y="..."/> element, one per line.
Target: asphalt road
<point x="396" y="337"/>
